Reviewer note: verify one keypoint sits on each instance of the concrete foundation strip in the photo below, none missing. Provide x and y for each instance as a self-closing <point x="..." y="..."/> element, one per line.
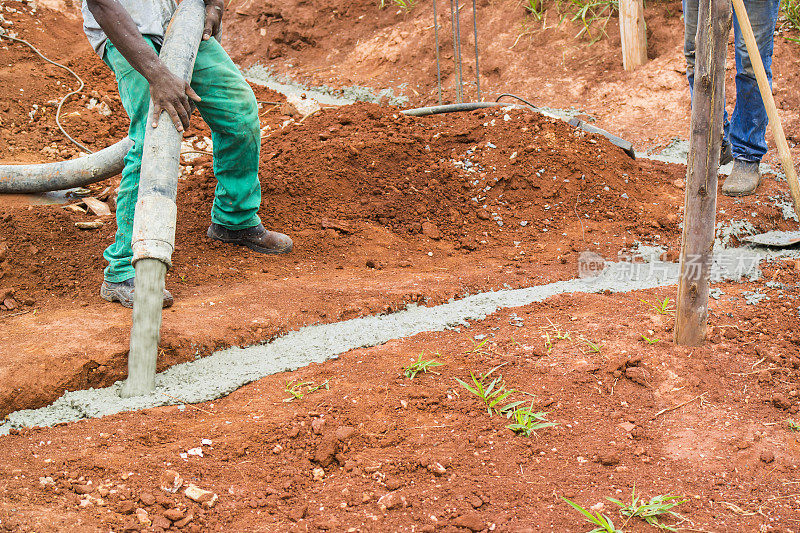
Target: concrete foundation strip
<point x="227" y="370"/>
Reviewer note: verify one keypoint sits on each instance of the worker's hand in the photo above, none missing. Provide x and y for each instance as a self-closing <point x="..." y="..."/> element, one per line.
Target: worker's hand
<point x="214" y="9"/>
<point x="171" y="94"/>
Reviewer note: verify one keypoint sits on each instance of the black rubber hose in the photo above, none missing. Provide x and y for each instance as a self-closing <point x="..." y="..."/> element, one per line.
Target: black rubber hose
<point x="449" y="108"/>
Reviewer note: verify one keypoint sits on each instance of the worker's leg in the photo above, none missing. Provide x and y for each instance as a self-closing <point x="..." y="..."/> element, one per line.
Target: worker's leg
<point x="749" y="121"/>
<point x="229" y="107"/>
<point x="134" y="91"/>
<point x="690" y="23"/>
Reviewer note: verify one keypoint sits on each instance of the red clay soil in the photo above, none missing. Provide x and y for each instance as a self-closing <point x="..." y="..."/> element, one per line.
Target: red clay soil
<point x="386" y="210"/>
<point x="376" y="451"/>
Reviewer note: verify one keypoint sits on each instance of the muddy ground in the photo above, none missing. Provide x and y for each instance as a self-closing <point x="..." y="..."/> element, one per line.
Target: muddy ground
<point x="386" y="210"/>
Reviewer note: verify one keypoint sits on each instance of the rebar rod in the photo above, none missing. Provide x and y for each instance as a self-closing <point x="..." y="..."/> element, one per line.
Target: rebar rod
<point x="438" y="60"/>
<point x="477" y="62"/>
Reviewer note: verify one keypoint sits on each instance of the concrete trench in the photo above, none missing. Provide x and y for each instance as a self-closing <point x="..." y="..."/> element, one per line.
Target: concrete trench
<point x="225" y="371"/>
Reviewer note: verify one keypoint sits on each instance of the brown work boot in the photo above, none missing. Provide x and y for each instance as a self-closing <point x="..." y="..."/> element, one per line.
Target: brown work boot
<point x="256" y="238"/>
<point x="122" y="292"/>
<point x="744" y="179"/>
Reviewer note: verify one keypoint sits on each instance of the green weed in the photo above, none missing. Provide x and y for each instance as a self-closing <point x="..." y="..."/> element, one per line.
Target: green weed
<point x="658" y="506"/>
<point x="791" y="14"/>
<point x="604" y="523"/>
<point x="535" y="8"/>
<point x="593" y="346"/>
<point x="649" y="340"/>
<point x="405" y="5"/>
<point x="491" y="393"/>
<point x="526" y="421"/>
<point x="791" y="424"/>
<point x="590" y="13"/>
<point x="664" y="307"/>
<point x="299" y="389"/>
<point x="421" y="365"/>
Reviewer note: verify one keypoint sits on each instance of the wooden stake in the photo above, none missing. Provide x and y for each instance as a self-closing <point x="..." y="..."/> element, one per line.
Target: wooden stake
<point x="633" y="33"/>
<point x="769" y="102"/>
<point x="700" y="204"/>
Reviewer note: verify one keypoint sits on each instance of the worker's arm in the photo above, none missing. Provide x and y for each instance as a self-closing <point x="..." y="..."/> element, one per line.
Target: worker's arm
<point x="169" y="92"/>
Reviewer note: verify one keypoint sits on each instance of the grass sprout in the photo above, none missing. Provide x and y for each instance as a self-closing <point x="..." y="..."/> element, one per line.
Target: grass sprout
<point x="791" y="14"/>
<point x="492" y="393"/>
<point x="526" y="421"/>
<point x="594" y="347"/>
<point x="299" y="389"/>
<point x="649" y="340"/>
<point x="662" y="307"/>
<point x="791" y="424"/>
<point x="535" y="8"/>
<point x="603" y="522"/>
<point x="405" y="5"/>
<point x="650" y="512"/>
<point x="590" y="12"/>
<point x="421" y="365"/>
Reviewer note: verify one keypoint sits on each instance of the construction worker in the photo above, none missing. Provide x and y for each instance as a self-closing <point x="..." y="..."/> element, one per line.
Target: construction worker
<point x="128" y="35"/>
<point x="743" y="140"/>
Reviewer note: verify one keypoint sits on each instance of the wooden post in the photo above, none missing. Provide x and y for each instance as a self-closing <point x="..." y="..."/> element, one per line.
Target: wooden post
<point x="633" y="33"/>
<point x="700" y="204"/>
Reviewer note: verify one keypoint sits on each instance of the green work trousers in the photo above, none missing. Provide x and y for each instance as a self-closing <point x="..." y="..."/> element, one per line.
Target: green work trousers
<point x="229" y="108"/>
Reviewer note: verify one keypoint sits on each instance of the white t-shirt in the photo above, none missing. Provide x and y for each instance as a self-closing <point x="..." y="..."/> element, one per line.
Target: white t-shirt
<point x="150" y="16"/>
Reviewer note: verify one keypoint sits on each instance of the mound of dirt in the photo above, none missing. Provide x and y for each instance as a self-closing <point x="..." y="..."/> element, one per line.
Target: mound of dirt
<point x="476" y="180"/>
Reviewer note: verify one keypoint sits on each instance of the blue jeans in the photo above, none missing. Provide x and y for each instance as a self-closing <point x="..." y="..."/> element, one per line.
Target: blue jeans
<point x="746" y="128"/>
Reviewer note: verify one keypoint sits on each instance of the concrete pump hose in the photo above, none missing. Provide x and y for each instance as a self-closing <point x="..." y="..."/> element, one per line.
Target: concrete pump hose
<point x="62" y="175"/>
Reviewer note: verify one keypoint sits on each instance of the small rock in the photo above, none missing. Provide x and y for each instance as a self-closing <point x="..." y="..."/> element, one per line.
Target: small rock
<point x="10" y="304"/>
<point x="430" y="230"/>
<point x="392" y="500"/>
<point x="125" y="507"/>
<point x="82" y="489"/>
<point x="204" y="497"/>
<point x="96" y="206"/>
<point x="679" y="183"/>
<point x="483" y="214"/>
<point x="170" y="481"/>
<point x="475" y="501"/>
<point x="437" y="468"/>
<point x="608" y="458"/>
<point x="182" y="523"/>
<point x="159" y="522"/>
<point x="780" y="401"/>
<point x="767" y="456"/>
<point x="298" y="513"/>
<point x="326" y="452"/>
<point x="471" y="521"/>
<point x="143" y="517"/>
<point x="317" y="425"/>
<point x="147" y="499"/>
<point x="627" y="426"/>
<point x="638" y="375"/>
<point x="318" y="474"/>
<point x="174" y="515"/>
<point x="765" y="376"/>
<point x="345" y="432"/>
<point x="93" y="224"/>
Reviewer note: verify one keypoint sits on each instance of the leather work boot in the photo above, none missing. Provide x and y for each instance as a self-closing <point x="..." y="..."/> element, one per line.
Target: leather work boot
<point x="725" y="154"/>
<point x="744" y="179"/>
<point x="122" y="292"/>
<point x="256" y="238"/>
